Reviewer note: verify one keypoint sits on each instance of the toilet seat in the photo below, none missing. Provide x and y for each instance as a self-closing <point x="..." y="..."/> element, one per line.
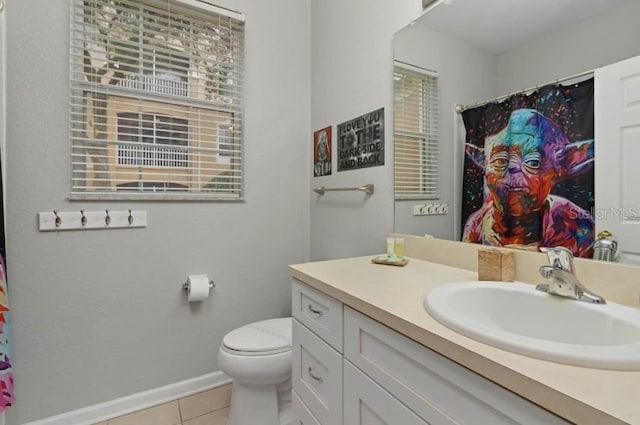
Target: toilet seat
<point x="254" y="353"/>
<point x="263" y="338"/>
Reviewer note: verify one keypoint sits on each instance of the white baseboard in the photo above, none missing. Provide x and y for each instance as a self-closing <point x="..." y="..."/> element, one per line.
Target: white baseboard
<point x="121" y="406"/>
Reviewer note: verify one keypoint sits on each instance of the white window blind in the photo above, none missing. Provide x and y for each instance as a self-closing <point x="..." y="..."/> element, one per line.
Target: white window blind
<point x="152" y="85"/>
<point x="415" y="132"/>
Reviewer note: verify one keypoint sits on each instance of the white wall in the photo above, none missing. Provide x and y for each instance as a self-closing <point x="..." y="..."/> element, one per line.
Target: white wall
<point x="466" y="75"/>
<point x="601" y="40"/>
<point x="100" y="314"/>
<point x="351" y="74"/>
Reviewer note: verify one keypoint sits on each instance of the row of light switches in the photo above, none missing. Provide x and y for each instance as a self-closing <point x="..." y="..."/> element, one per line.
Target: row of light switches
<point x="431" y="209"/>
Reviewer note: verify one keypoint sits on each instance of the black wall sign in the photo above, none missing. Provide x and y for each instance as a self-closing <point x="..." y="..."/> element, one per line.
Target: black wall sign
<point x="361" y="141"/>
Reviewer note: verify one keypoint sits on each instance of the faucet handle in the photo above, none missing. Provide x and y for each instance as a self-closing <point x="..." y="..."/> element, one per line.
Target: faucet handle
<point x="559" y="257"/>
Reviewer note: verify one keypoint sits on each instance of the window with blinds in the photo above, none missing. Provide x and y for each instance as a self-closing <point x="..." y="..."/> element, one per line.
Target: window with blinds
<point x="415" y="137"/>
<point x="156" y="100"/>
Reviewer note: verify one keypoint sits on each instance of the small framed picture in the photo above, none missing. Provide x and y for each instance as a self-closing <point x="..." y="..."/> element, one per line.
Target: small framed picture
<point x="322" y="152"/>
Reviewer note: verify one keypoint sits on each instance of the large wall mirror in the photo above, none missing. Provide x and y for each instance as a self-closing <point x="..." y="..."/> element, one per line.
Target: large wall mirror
<point x="466" y="52"/>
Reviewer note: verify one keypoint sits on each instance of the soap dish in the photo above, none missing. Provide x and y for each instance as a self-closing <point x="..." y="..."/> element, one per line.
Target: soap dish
<point x="390" y="261"/>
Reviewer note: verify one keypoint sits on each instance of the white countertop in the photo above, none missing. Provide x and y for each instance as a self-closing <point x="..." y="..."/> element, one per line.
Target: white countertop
<point x="394" y="296"/>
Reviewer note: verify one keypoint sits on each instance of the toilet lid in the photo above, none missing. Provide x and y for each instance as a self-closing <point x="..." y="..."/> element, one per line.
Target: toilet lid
<point x="267" y="335"/>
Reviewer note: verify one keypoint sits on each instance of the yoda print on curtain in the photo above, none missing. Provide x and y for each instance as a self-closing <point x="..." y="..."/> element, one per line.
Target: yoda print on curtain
<point x="528" y="171"/>
<point x="6" y="373"/>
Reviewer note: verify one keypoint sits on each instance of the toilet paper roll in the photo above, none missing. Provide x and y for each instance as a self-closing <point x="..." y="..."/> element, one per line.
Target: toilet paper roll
<point x="197" y="287"/>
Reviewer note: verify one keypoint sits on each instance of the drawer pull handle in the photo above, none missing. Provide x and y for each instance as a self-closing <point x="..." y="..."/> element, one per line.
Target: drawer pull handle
<point x="315" y="311"/>
<point x="316" y="378"/>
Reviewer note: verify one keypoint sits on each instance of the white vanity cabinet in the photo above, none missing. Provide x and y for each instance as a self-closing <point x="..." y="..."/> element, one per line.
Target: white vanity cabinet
<point x="317" y="357"/>
<point x="375" y="375"/>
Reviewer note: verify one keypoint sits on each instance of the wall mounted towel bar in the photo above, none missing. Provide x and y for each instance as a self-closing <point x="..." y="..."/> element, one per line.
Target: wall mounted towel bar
<point x="367" y="188"/>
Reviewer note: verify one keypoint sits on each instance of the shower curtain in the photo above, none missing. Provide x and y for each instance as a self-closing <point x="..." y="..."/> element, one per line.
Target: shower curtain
<point x="6" y="373"/>
<point x="528" y="170"/>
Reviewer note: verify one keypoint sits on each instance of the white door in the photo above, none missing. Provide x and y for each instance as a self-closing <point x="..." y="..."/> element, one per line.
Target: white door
<point x="617" y="155"/>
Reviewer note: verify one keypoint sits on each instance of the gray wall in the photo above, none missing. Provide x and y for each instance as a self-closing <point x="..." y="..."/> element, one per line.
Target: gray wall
<point x="601" y="40"/>
<point x="459" y="82"/>
<point x="100" y="314"/>
<point x="351" y="74"/>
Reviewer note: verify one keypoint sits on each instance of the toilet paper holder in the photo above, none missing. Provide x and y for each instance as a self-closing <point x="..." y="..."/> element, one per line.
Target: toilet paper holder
<point x="185" y="285"/>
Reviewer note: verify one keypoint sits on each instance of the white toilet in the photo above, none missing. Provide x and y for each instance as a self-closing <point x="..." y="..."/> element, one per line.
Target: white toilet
<point x="258" y="358"/>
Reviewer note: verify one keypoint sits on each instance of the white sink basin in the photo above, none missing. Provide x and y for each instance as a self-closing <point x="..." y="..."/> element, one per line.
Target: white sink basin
<point x="518" y="318"/>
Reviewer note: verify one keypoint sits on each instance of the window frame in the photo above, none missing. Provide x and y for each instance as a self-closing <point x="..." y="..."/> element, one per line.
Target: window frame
<point x="227" y="130"/>
<point x="225" y="185"/>
<point x="427" y="139"/>
<point x="155" y="147"/>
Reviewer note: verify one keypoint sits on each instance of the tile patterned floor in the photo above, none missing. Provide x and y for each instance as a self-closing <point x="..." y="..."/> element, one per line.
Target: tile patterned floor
<point x="206" y="408"/>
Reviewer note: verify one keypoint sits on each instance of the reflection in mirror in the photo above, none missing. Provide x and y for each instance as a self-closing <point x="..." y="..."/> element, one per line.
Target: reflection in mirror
<point x="482" y="56"/>
<point x="415" y="132"/>
<point x="528" y="171"/>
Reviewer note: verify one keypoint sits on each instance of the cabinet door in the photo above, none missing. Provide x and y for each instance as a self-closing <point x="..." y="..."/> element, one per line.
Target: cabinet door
<point x="300" y="415"/>
<point x="430" y="384"/>
<point x="318" y="312"/>
<point x="317" y="375"/>
<point x="366" y="403"/>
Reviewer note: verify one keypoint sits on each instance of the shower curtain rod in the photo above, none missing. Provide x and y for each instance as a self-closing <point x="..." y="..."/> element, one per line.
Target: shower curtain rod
<point x="462" y="108"/>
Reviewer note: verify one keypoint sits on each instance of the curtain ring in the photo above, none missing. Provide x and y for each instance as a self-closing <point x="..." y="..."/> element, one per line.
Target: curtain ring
<point x="107" y="218"/>
<point x="130" y="218"/>
<point x="58" y="219"/>
<point x="83" y="218"/>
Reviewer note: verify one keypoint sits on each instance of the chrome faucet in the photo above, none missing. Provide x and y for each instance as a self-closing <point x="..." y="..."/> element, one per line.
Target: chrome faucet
<point x="562" y="280"/>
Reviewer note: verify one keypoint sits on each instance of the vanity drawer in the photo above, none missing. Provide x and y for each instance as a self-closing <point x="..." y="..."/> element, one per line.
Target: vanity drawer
<point x="423" y="379"/>
<point x="319" y="312"/>
<point x="317" y="375"/>
<point x="366" y="403"/>
<point x="300" y="415"/>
